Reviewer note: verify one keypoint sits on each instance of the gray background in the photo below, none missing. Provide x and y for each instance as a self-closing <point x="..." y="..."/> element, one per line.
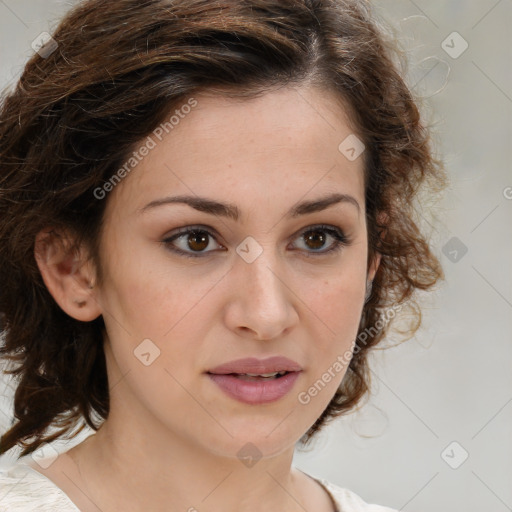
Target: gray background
<point x="452" y="383"/>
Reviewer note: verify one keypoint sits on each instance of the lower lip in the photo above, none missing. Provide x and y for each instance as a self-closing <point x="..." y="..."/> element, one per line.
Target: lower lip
<point x="255" y="391"/>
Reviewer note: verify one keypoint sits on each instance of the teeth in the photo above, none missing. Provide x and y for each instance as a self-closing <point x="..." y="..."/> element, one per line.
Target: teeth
<point x="263" y="374"/>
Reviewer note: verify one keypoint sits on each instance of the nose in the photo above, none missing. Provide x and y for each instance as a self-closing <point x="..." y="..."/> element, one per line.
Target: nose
<point x="262" y="303"/>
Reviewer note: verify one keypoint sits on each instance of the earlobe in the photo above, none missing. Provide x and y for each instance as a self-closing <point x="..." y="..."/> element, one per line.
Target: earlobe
<point x="67" y="276"/>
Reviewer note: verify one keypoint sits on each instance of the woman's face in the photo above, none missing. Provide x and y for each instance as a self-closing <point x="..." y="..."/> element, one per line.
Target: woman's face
<point x="177" y="305"/>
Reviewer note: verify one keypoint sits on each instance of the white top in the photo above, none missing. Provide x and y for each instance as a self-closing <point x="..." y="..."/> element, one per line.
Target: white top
<point x="22" y="489"/>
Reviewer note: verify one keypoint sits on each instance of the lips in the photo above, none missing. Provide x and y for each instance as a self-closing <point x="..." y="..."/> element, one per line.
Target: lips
<point x="257" y="367"/>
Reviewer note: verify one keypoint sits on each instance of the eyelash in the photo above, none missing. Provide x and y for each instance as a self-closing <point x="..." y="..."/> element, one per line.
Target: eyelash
<point x="341" y="240"/>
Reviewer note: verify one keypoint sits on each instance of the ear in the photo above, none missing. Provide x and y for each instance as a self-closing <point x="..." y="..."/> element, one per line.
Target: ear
<point x="67" y="275"/>
<point x="374" y="266"/>
<point x="382" y="219"/>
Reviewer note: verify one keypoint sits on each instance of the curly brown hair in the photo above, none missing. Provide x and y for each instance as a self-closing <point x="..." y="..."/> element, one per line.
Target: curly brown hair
<point x="78" y="111"/>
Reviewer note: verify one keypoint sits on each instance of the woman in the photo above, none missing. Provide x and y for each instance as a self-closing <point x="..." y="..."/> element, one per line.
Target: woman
<point x="205" y="208"/>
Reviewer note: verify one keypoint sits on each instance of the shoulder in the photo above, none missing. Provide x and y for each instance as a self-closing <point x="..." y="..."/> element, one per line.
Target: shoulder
<point x="23" y="488"/>
<point x="352" y="502"/>
<point x="349" y="501"/>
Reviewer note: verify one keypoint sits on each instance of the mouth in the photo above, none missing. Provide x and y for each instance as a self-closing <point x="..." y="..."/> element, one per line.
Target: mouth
<point x="255" y="376"/>
<point x="270" y="367"/>
<point x="255" y="389"/>
<point x="256" y="381"/>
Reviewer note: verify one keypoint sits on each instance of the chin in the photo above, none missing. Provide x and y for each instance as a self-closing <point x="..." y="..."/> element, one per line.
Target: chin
<point x="268" y="437"/>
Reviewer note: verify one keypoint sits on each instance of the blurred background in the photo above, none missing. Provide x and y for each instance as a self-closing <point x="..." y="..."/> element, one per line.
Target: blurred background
<point x="436" y="432"/>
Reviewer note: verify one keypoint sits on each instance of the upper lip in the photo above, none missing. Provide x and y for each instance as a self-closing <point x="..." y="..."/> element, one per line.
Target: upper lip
<point x="257" y="366"/>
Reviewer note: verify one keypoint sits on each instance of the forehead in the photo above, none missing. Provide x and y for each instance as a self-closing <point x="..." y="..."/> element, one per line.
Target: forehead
<point x="280" y="144"/>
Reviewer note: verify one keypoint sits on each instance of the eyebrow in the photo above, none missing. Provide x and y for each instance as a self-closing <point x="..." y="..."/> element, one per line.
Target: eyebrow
<point x="231" y="211"/>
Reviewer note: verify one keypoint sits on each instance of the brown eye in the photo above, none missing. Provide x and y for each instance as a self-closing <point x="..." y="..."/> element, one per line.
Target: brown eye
<point x="193" y="242"/>
<point x="317" y="237"/>
<point x="198" y="240"/>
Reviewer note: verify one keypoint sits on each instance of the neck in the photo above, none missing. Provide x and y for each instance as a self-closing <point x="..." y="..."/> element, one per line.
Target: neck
<point x="143" y="474"/>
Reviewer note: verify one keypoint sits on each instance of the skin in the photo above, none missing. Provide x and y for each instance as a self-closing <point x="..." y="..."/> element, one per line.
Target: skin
<point x="172" y="436"/>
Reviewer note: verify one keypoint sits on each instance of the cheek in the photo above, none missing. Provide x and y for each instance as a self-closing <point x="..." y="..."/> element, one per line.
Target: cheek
<point x="336" y="307"/>
<point x="158" y="302"/>
<point x="143" y="290"/>
<point x="334" y="321"/>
